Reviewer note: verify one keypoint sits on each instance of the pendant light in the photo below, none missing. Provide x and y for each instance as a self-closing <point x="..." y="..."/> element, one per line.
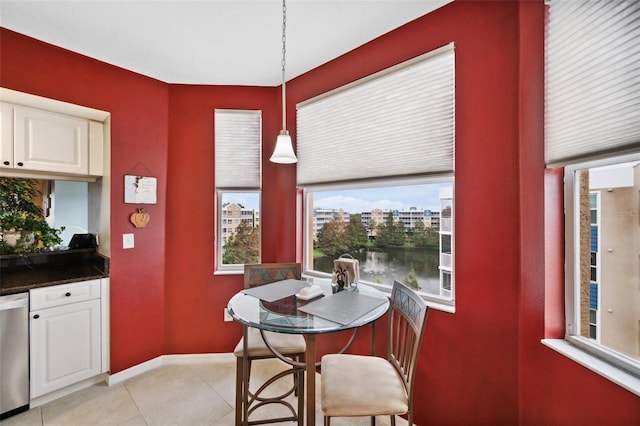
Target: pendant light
<point x="283" y="152"/>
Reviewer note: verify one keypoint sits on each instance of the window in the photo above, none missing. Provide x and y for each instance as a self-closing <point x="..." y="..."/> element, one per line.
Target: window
<point x="592" y="82"/>
<point x="393" y="230"/>
<point x="237" y="178"/>
<point x="603" y="245"/>
<point x="381" y="199"/>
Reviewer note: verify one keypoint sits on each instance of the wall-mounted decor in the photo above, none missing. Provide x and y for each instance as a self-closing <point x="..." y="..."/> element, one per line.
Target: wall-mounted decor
<point x="140" y="218"/>
<point x="140" y="189"/>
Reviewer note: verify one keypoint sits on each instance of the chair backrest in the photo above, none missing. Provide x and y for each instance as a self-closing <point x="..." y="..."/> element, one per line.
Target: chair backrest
<point x="265" y="273"/>
<point x="407" y="317"/>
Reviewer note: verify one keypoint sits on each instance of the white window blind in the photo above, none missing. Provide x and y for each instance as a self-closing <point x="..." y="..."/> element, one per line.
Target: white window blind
<point x="592" y="79"/>
<point x="397" y="122"/>
<point x="238" y="136"/>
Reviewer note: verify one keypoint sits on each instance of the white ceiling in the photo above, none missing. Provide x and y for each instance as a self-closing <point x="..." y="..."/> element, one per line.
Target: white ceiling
<point x="228" y="42"/>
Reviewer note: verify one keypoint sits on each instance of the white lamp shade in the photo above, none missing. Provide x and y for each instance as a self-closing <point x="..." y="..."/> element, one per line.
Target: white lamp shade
<point x="283" y="153"/>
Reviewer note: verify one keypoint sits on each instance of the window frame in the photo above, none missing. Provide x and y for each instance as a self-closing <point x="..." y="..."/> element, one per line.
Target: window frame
<point x="626" y="370"/>
<point x="436" y="302"/>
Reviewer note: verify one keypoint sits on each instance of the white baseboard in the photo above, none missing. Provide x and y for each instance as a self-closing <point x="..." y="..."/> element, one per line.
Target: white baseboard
<point x="131" y="372"/>
<point x="181" y="359"/>
<point x="136" y="370"/>
<point x="197" y="359"/>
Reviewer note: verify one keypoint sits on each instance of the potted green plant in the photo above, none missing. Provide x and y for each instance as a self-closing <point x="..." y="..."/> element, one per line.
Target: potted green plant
<point x="23" y="227"/>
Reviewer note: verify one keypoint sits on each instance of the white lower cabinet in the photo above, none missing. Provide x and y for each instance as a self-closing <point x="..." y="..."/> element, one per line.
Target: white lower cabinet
<point x="66" y="335"/>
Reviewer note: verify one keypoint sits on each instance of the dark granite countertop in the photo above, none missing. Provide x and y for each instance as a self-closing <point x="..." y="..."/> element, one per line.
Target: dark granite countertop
<point x="23" y="273"/>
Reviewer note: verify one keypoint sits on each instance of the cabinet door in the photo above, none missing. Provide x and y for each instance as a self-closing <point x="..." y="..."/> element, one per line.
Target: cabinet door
<point x="6" y="135"/>
<point x="50" y="142"/>
<point x="65" y="345"/>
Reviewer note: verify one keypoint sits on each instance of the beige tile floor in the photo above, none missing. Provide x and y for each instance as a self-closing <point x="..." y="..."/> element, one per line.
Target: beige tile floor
<point x="193" y="394"/>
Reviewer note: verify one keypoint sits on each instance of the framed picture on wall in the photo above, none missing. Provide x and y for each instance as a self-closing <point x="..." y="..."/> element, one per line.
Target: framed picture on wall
<point x="140" y="189"/>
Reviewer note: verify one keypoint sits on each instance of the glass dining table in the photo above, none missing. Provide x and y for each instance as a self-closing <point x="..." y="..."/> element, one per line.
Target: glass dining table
<point x="275" y="307"/>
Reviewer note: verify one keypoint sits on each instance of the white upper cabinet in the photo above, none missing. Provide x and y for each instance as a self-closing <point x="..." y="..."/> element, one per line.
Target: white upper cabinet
<point x="39" y="140"/>
<point x="50" y="142"/>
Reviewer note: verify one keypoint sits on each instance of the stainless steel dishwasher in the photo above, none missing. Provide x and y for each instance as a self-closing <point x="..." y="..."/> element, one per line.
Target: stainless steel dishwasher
<point x="14" y="354"/>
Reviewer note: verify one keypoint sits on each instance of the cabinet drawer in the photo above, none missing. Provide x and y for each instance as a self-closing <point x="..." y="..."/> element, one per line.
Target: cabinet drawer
<point x="63" y="294"/>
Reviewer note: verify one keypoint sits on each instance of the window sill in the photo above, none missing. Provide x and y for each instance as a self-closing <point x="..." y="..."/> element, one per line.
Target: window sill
<point x="431" y="302"/>
<point x="445" y="307"/>
<point x="228" y="272"/>
<point x="595" y="364"/>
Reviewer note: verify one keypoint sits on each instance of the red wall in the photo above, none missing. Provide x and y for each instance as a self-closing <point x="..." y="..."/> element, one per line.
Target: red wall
<point x="468" y="372"/>
<point x="485" y="363"/>
<point x="139" y="120"/>
<point x="482" y="365"/>
<point x="195" y="297"/>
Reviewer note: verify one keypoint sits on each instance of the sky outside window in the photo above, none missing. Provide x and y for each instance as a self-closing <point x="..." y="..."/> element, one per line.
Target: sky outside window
<point x="426" y="196"/>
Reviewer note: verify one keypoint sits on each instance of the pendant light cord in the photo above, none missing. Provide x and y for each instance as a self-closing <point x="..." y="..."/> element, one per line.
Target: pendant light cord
<point x="284" y="53"/>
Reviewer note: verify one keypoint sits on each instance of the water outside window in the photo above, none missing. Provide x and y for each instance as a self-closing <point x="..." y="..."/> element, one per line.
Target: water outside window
<point x="399" y="233"/>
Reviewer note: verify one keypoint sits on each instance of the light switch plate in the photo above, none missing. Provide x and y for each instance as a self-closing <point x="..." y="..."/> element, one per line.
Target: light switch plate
<point x="127" y="241"/>
<point x="227" y="316"/>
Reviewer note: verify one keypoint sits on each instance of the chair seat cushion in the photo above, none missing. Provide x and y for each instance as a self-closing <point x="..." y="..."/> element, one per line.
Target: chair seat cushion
<point x="286" y="344"/>
<point x="356" y="385"/>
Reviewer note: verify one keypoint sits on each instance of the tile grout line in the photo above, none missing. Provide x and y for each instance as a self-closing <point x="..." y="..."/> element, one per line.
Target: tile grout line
<point x="195" y="371"/>
<point x="135" y="403"/>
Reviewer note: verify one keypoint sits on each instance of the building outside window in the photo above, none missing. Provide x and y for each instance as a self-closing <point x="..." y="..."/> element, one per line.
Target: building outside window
<point x="594" y="255"/>
<point x="446" y="242"/>
<point x="240" y="237"/>
<point x="604" y="242"/>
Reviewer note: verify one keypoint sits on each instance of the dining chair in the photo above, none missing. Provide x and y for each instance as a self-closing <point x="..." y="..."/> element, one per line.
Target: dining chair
<point x="360" y="385"/>
<point x="289" y="345"/>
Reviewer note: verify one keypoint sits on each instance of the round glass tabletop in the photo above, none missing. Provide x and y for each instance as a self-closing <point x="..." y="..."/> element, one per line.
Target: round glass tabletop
<point x="350" y="308"/>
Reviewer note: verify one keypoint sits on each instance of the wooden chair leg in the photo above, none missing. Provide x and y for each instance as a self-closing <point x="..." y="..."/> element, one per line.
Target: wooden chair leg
<point x="373" y="420"/>
<point x="295" y="377"/>
<point x="327" y="421"/>
<point x="393" y="420"/>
